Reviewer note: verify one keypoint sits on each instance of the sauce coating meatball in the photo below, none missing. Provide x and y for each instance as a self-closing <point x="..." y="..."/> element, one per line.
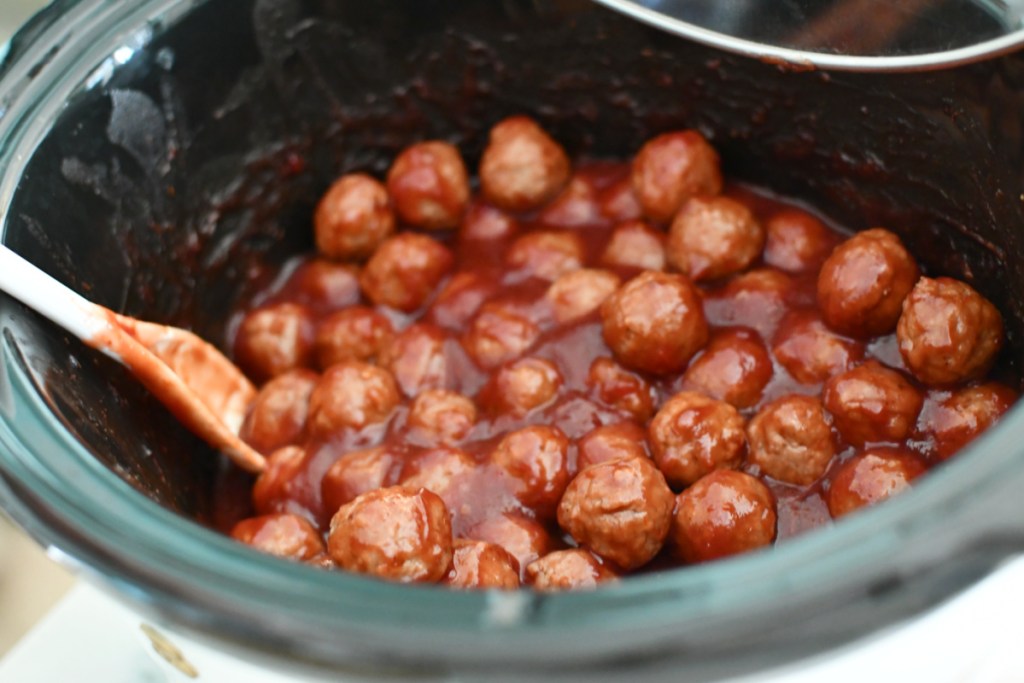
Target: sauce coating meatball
<point x="671" y="168"/>
<point x="498" y="334"/>
<point x="725" y="513"/>
<point x="429" y="186"/>
<point x="791" y="440"/>
<point x="356" y="473"/>
<point x="353" y="218"/>
<point x="521" y="386"/>
<point x="278" y="414"/>
<point x="485" y="222"/>
<point x="525" y="539"/>
<point x="693" y="435"/>
<point x="611" y="442"/>
<point x="634" y="244"/>
<point x="757" y="299"/>
<point x="273" y="340"/>
<point x="276" y="489"/>
<point x="404" y="271"/>
<point x="810" y="351"/>
<point x="655" y="322"/>
<point x="437" y="416"/>
<point x="619" y="509"/>
<point x="536" y="459"/>
<point x="958" y="419"/>
<point x="870" y="478"/>
<point x="546" y="254"/>
<point x="351" y="395"/>
<point x="439" y="470"/>
<point x="395" y="533"/>
<point x="478" y="565"/>
<point x="872" y="403"/>
<point x="574" y="207"/>
<point x="619" y="388"/>
<point x="522" y="167"/>
<point x="460" y="299"/>
<point x="863" y="282"/>
<point x="618" y="201"/>
<point x="735" y="367"/>
<point x="579" y="293"/>
<point x="712" y="237"/>
<point x="283" y="535"/>
<point x="325" y="286"/>
<point x="948" y="333"/>
<point x="796" y="241"/>
<point x="571" y="569"/>
<point x="416" y="358"/>
<point x="354" y="333"/>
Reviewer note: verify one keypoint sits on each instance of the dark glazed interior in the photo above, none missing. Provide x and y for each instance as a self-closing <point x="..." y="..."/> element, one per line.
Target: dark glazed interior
<point x="176" y="186"/>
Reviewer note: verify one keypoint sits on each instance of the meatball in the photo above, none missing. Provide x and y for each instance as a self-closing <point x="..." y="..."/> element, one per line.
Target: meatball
<point x="351" y="395"/>
<point x="441" y="417"/>
<point x="790" y="439"/>
<point x="498" y="334"/>
<point x="725" y="513"/>
<point x="525" y="539"/>
<point x="460" y="299"/>
<point x="439" y="471"/>
<point x="416" y="358"/>
<point x="546" y="254"/>
<point x="522" y="168"/>
<point x="619" y="388"/>
<point x="672" y="168"/>
<point x="485" y="222"/>
<point x="405" y="270"/>
<point x="577" y="294"/>
<point x="356" y="473"/>
<point x="354" y="333"/>
<point x="655" y="323"/>
<point x="872" y="477"/>
<point x="477" y="565"/>
<point x="693" y="435"/>
<point x="756" y="299"/>
<point x="273" y="340"/>
<point x="735" y="368"/>
<point x="958" y="419"/>
<point x="948" y="333"/>
<point x="278" y="414"/>
<point x="522" y="386"/>
<point x="429" y="186"/>
<point x="571" y="569"/>
<point x="574" y="207"/>
<point x="712" y="237"/>
<point x="280" y="534"/>
<point x="863" y="282"/>
<point x="277" y="486"/>
<point x="618" y="201"/>
<point x="395" y="533"/>
<point x="810" y="351"/>
<point x="353" y="218"/>
<point x="536" y="460"/>
<point x="634" y="244"/>
<point x="796" y="241"/>
<point x="611" y="442"/>
<point x="872" y="403"/>
<point x="619" y="509"/>
<point x="325" y="285"/>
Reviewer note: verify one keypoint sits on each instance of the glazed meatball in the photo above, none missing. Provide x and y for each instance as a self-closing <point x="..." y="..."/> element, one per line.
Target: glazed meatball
<point x="619" y="509"/>
<point x="577" y="294"/>
<point x="439" y="470"/>
<point x="712" y="237"/>
<point x="948" y="333"/>
<point x="325" y="286"/>
<point x="485" y="222"/>
<point x="525" y="539"/>
<point x="863" y="282"/>
<point x="498" y="334"/>
<point x="278" y="414"/>
<point x="725" y="513"/>
<point x="956" y="420"/>
<point x="756" y="299"/>
<point x="546" y="254"/>
<point x="796" y="241"/>
<point x="536" y="460"/>
<point x="619" y="388"/>
<point x="810" y="351"/>
<point x="460" y="299"/>
<point x="273" y="340"/>
<point x="278" y="485"/>
<point x="618" y="201"/>
<point x="522" y="168"/>
<point x="571" y="569"/>
<point x="575" y="206"/>
<point x="354" y="333"/>
<point x="735" y="368"/>
<point x="693" y="435"/>
<point x="429" y="186"/>
<point x="351" y="395"/>
<point x="872" y="477"/>
<point x="790" y="439"/>
<point x="416" y="358"/>
<point x="284" y="535"/>
<point x="872" y="403"/>
<point x="672" y="168"/>
<point x="477" y="565"/>
<point x="395" y="533"/>
<point x="405" y="270"/>
<point x="441" y="417"/>
<point x="655" y="323"/>
<point x="521" y="386"/>
<point x="634" y="244"/>
<point x="353" y="218"/>
<point x="356" y="473"/>
<point x="611" y="442"/>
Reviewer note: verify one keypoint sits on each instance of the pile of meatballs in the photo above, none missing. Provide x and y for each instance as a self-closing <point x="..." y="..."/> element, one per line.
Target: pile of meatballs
<point x="579" y="373"/>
